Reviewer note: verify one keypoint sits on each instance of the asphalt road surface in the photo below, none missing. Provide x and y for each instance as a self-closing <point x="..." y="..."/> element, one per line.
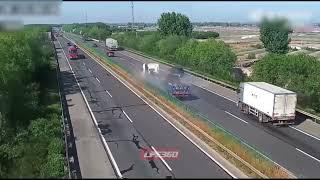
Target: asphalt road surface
<point x="130" y="126"/>
<point x="291" y="149"/>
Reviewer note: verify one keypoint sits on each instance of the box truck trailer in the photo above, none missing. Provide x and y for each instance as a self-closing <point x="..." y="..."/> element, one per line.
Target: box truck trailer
<point x="269" y="103"/>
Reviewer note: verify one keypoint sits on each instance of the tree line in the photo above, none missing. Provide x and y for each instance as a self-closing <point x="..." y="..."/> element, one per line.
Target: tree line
<point x="174" y="42"/>
<point x="31" y="136"/>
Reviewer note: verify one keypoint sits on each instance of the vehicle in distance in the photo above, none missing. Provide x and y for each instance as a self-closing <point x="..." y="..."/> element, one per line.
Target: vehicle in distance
<point x="179" y="90"/>
<point x="268" y="102"/>
<point x="69" y="43"/>
<point x="111" y="44"/>
<point x="72" y="52"/>
<point x="94" y="45"/>
<point x="151" y="68"/>
<point x="176" y="71"/>
<point x="110" y="53"/>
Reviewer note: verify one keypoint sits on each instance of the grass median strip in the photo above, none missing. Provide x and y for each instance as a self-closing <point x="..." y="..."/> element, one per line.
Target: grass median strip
<point x="253" y="164"/>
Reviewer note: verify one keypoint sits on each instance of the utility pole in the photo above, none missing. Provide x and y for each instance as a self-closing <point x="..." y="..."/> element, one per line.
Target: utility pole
<point x="86" y="19"/>
<point x="132" y="15"/>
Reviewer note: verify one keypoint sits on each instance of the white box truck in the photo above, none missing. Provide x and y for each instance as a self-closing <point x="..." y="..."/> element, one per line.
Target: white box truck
<point x="112" y="44"/>
<point x="151" y="68"/>
<point x="268" y="102"/>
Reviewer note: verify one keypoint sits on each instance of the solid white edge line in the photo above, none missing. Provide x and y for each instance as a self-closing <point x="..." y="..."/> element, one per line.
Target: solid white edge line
<point x="94" y="119"/>
<point x="97" y="79"/>
<point x="164" y="162"/>
<point x="214" y="160"/>
<point x="223" y="97"/>
<point x="90" y="71"/>
<point x="215" y="93"/>
<point x="308" y="155"/>
<point x="236" y="117"/>
<point x="191" y="74"/>
<point x="127" y="116"/>
<point x="304" y="133"/>
<point x="233" y="101"/>
<point x="108" y="93"/>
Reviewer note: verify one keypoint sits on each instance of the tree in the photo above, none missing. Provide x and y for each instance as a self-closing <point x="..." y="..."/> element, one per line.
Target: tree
<point x="274" y="34"/>
<point x="299" y="73"/>
<point x="174" y="24"/>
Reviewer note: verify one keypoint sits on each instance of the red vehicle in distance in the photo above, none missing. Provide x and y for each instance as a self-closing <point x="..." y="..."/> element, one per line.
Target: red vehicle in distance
<point x="110" y="53"/>
<point x="72" y="53"/>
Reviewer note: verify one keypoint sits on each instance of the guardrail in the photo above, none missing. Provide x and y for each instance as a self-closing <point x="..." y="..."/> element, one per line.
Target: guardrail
<point x="186" y="69"/>
<point x="313" y="117"/>
<point x="63" y="118"/>
<point x="217" y="126"/>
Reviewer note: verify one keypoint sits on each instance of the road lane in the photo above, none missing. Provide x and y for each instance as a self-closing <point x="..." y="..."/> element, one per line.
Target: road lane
<point x="265" y="138"/>
<point x="153" y="128"/>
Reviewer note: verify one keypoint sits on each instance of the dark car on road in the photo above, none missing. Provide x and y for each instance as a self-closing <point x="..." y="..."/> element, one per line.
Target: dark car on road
<point x="69" y="44"/>
<point x="176" y="71"/>
<point x="95" y="45"/>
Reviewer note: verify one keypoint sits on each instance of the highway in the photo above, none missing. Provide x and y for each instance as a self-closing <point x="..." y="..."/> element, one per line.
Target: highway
<point x="288" y="147"/>
<point x="129" y="125"/>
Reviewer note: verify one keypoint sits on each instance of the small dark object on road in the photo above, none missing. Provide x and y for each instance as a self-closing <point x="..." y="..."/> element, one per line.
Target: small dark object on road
<point x="95" y="45"/>
<point x="177" y="71"/>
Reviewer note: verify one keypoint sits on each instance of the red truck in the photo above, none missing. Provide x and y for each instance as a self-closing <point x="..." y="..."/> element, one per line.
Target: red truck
<point x="110" y="53"/>
<point x="72" y="52"/>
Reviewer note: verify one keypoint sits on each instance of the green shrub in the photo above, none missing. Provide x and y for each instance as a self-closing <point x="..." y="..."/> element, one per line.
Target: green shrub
<point x="204" y="35"/>
<point x="168" y="46"/>
<point x="299" y="73"/>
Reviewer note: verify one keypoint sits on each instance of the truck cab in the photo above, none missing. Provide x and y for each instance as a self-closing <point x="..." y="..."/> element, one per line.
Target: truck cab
<point x="150" y="68"/>
<point x="72" y="52"/>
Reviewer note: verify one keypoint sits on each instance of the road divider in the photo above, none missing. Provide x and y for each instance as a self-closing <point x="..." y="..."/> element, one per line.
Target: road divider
<point x="231" y="148"/>
<point x="313" y="117"/>
<point x="113" y="162"/>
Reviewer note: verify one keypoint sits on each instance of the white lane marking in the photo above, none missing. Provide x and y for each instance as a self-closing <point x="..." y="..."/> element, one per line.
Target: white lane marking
<point x="215" y="93"/>
<point x="132" y="57"/>
<point x="206" y="153"/>
<point x="90" y="71"/>
<point x="97" y="79"/>
<point x="95" y="121"/>
<point x="164" y="71"/>
<point x="127" y="116"/>
<point x="305" y="133"/>
<point x="236" y="117"/>
<point x="84" y="63"/>
<point x="164" y="162"/>
<point x="308" y="155"/>
<point x="236" y="102"/>
<point x="108" y="93"/>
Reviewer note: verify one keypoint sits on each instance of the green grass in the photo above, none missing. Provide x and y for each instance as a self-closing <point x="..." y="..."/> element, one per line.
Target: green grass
<point x="226" y="137"/>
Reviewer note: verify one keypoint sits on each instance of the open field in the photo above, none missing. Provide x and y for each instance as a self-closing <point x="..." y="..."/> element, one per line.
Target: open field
<point x="245" y="40"/>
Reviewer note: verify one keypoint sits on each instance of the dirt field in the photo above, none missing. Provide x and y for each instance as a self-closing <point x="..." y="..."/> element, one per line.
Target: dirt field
<point x="243" y="40"/>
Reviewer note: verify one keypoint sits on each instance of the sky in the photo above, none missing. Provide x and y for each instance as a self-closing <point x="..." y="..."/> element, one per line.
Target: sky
<point x="197" y="11"/>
